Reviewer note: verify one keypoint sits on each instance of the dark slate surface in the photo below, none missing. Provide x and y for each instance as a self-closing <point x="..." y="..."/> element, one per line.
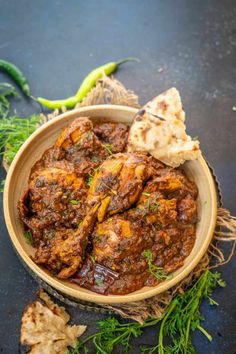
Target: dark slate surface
<point x="189" y="44"/>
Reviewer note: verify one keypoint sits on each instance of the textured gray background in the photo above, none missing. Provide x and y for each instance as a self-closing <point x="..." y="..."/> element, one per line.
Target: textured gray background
<point x="56" y="43"/>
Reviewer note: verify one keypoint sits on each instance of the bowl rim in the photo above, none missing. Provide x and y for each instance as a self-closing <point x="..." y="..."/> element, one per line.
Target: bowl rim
<point x="92" y="296"/>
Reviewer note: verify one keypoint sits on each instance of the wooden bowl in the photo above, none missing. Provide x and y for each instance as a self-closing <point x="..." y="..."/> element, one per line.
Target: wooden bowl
<point x="32" y="150"/>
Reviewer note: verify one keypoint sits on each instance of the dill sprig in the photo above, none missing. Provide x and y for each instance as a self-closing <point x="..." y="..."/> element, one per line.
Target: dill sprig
<point x="6" y="90"/>
<point x="157" y="272"/>
<point x="182" y="316"/>
<point x="13" y="133"/>
<point x="112" y="333"/>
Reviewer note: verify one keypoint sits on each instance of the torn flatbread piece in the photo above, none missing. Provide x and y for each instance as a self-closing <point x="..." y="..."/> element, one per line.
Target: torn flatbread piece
<point x="158" y="128"/>
<point x="44" y="327"/>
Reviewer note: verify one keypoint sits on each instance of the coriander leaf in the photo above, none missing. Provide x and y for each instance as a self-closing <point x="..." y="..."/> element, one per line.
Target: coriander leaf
<point x="153" y="207"/>
<point x="28" y="237"/>
<point x="93" y="259"/>
<point x="74" y="202"/>
<point x="94" y="159"/>
<point x="90" y="180"/>
<point x="157" y="272"/>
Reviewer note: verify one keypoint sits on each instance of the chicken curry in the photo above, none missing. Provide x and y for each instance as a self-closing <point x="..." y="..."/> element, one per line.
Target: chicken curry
<point x="108" y="220"/>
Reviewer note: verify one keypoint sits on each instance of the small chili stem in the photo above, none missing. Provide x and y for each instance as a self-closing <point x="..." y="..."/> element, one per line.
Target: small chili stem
<point x="128" y="59"/>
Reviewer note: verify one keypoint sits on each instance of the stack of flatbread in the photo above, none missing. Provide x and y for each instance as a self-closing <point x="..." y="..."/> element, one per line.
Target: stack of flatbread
<point x="44" y="327"/>
<point x="158" y="128"/>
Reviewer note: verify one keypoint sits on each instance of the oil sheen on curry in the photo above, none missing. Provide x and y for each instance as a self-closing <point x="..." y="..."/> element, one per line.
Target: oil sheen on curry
<point x="108" y="220"/>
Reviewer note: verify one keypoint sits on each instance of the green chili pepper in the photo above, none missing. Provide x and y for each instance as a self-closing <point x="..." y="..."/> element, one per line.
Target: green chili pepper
<point x="16" y="74"/>
<point x="88" y="83"/>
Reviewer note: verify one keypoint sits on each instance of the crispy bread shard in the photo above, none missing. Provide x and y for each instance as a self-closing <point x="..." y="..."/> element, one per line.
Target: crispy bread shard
<point x="158" y="128"/>
<point x="44" y="327"/>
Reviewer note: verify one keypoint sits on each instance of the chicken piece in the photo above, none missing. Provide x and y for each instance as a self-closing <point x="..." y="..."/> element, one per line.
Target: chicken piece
<point x="154" y="208"/>
<point x="79" y="145"/>
<point x="52" y="240"/>
<point x="124" y="243"/>
<point x="182" y="241"/>
<point x="65" y="251"/>
<point x="71" y="252"/>
<point x="174" y="183"/>
<point x="112" y="135"/>
<point x="74" y="133"/>
<point x="118" y="183"/>
<point x="187" y="208"/>
<point x="50" y="158"/>
<point x="120" y="240"/>
<point x="75" y="143"/>
<point x="118" y="243"/>
<point x="55" y="196"/>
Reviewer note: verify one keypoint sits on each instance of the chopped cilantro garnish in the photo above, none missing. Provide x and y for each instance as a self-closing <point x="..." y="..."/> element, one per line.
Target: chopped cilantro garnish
<point x="28" y="237"/>
<point x="74" y="202"/>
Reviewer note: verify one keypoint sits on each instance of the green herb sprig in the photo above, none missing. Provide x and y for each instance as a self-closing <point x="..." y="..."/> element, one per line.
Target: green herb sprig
<point x="157" y="272"/>
<point x="153" y="207"/>
<point x="93" y="259"/>
<point x="112" y="333"/>
<point x="91" y="175"/>
<point x="28" y="237"/>
<point x="6" y="90"/>
<point x="90" y="180"/>
<point x="74" y="202"/>
<point x="13" y="133"/>
<point x="182" y="316"/>
<point x="2" y="185"/>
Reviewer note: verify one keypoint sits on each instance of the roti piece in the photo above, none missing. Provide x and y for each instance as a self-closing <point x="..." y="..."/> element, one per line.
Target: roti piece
<point x="44" y="327"/>
<point x="158" y="128"/>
